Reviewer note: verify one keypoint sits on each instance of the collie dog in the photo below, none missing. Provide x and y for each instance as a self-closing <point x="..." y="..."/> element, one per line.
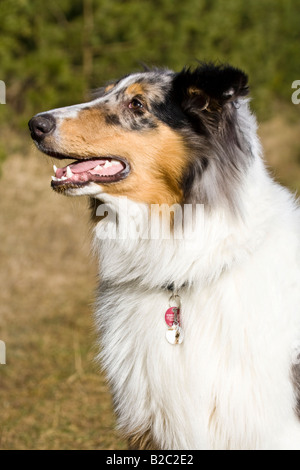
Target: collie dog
<point x="199" y="333"/>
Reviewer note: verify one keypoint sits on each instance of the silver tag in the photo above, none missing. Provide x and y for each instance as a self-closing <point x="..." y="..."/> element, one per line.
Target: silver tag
<point x="174" y="334"/>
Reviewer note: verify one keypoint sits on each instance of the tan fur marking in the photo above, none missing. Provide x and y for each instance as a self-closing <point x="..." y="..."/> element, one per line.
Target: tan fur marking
<point x="109" y="87"/>
<point x="192" y="90"/>
<point x="142" y="442"/>
<point x="157" y="156"/>
<point x="135" y="89"/>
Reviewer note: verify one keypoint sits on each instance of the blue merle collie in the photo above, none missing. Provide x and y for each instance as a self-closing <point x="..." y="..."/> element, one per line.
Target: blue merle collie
<point x="200" y="335"/>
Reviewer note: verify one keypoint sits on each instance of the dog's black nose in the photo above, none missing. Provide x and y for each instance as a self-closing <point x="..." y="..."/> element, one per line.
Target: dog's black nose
<point x="41" y="126"/>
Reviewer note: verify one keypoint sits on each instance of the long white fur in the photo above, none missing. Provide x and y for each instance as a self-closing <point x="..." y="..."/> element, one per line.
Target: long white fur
<point x="228" y="385"/>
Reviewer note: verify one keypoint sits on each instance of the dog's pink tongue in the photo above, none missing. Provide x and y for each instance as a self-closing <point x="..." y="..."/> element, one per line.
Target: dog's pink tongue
<point x="86" y="166"/>
<point x="80" y="167"/>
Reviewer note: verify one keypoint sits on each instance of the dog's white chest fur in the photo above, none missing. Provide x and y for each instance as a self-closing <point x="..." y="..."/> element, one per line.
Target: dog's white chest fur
<point x="229" y="384"/>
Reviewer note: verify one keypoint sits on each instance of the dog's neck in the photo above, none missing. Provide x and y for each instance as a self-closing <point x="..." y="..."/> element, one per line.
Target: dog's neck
<point x="222" y="239"/>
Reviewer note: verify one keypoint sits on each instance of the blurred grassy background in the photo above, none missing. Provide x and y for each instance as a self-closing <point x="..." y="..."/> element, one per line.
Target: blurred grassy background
<point x="52" y="54"/>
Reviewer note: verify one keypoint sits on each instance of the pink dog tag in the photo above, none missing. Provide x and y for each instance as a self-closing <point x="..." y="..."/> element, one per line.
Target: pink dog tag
<point x="172" y="315"/>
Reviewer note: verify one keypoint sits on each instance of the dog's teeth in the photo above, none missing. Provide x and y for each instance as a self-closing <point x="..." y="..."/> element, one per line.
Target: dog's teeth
<point x="55" y="169"/>
<point x="63" y="178"/>
<point x="107" y="164"/>
<point x="69" y="172"/>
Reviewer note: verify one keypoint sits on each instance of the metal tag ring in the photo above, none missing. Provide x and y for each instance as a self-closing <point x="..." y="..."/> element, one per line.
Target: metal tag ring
<point x="175" y="298"/>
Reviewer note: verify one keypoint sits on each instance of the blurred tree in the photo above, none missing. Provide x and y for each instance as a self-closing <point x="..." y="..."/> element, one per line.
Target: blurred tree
<point x="51" y="53"/>
<point x="87" y="35"/>
<point x="40" y="54"/>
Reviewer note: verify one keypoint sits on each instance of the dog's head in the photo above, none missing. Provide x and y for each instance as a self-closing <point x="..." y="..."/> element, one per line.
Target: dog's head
<point x="153" y="136"/>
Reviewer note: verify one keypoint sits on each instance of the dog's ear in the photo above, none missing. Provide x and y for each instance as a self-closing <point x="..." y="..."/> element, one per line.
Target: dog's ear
<point x="209" y="87"/>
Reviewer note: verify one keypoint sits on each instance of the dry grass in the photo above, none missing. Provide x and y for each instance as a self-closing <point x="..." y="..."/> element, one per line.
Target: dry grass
<point x="51" y="392"/>
<point x="281" y="142"/>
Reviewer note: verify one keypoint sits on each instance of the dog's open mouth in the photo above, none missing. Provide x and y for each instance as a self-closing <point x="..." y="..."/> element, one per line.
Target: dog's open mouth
<point x="97" y="170"/>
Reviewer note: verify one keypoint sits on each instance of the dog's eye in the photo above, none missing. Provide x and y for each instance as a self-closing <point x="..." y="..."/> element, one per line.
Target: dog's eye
<point x="135" y="104"/>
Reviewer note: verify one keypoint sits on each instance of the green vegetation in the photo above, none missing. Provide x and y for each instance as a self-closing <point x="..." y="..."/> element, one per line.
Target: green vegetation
<point x="51" y="53"/>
